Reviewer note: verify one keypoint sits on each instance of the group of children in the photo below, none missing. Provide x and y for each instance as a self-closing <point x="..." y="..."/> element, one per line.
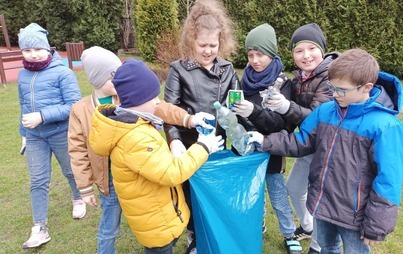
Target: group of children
<point x="344" y="179"/>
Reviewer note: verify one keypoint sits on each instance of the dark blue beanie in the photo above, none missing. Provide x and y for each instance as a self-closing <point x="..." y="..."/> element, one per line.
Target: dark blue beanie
<point x="135" y="83"/>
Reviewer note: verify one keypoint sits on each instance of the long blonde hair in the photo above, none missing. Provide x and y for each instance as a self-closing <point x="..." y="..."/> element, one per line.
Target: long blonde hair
<point x="210" y="15"/>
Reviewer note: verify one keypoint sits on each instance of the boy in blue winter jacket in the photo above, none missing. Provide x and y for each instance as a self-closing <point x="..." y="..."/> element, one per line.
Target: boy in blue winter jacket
<point x="355" y="178"/>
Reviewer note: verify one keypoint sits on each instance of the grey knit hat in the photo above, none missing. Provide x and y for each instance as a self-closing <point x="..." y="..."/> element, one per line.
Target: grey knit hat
<point x="33" y="36"/>
<point x="309" y="33"/>
<point x="262" y="38"/>
<point x="100" y="65"/>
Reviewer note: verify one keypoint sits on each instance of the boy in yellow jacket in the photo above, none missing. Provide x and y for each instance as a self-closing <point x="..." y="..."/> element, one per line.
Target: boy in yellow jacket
<point x="146" y="176"/>
<point x="89" y="168"/>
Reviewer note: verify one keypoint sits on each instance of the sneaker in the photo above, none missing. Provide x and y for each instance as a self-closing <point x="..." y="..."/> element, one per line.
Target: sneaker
<point x="313" y="251"/>
<point x="37" y="238"/>
<point x="191" y="243"/>
<point x="293" y="246"/>
<point x="301" y="234"/>
<point x="190" y="237"/>
<point x="79" y="209"/>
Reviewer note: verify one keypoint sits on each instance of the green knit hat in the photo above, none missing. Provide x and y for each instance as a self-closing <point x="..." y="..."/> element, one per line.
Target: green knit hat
<point x="263" y="39"/>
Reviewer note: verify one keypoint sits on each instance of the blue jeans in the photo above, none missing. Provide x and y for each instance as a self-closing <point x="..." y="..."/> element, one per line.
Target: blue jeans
<point x="297" y="188"/>
<point x="39" y="159"/>
<point x="279" y="201"/>
<point x="109" y="225"/>
<point x="329" y="239"/>
<point x="167" y="249"/>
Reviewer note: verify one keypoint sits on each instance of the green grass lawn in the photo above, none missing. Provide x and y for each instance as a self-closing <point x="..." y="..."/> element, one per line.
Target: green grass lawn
<point x="80" y="236"/>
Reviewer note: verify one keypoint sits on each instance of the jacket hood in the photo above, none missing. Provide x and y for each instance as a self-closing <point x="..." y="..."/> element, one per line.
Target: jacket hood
<point x="391" y="95"/>
<point x="386" y="95"/>
<point x="108" y="128"/>
<point x="324" y="65"/>
<point x="56" y="60"/>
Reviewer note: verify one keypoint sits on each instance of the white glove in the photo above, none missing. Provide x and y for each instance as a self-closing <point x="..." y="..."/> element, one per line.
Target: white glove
<point x="202" y="119"/>
<point x="256" y="138"/>
<point x="243" y="108"/>
<point x="177" y="148"/>
<point x="278" y="103"/>
<point x="31" y="120"/>
<point x="212" y="142"/>
<point x="23" y="146"/>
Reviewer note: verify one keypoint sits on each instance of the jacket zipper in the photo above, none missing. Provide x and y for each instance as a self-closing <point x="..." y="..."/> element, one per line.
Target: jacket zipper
<point x="326" y="168"/>
<point x="357" y="200"/>
<point x="176" y="205"/>
<point x="31" y="87"/>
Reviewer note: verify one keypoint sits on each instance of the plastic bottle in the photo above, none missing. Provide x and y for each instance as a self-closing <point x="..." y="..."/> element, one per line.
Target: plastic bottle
<point x="236" y="133"/>
<point x="270" y="91"/>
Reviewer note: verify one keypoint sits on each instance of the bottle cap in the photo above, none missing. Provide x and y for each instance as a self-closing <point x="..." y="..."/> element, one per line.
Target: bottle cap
<point x="217" y="105"/>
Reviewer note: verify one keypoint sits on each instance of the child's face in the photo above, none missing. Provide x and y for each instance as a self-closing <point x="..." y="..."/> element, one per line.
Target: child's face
<point x="108" y="89"/>
<point x="258" y="60"/>
<point x="206" y="47"/>
<point x="149" y="106"/>
<point x="307" y="57"/>
<point x="35" y="55"/>
<point x="347" y="93"/>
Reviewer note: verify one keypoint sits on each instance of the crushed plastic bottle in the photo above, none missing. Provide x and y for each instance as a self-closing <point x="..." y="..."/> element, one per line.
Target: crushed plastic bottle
<point x="270" y="91"/>
<point x="236" y="133"/>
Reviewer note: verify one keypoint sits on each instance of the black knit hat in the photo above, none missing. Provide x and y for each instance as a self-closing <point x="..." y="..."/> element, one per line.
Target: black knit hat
<point x="135" y="83"/>
<point x="309" y="33"/>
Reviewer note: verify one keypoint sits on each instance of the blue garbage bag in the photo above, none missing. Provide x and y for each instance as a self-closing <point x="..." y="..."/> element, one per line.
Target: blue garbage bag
<point x="227" y="203"/>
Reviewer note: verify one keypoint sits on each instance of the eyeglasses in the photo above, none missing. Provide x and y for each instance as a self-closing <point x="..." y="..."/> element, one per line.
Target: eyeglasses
<point x="339" y="91"/>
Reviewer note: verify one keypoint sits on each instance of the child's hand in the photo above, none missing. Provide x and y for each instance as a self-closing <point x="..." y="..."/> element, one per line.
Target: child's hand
<point x="90" y="200"/>
<point x="212" y="142"/>
<point x="256" y="138"/>
<point x="278" y="103"/>
<point x="369" y="242"/>
<point x="177" y="148"/>
<point x="201" y="119"/>
<point x="243" y="108"/>
<point x="31" y="120"/>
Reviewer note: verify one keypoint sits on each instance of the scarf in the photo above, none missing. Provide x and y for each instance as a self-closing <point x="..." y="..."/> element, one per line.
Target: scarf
<point x="154" y="120"/>
<point x="253" y="82"/>
<point x="37" y="66"/>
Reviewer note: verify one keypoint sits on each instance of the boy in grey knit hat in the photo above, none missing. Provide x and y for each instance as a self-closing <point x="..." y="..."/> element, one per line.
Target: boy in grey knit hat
<point x="89" y="168"/>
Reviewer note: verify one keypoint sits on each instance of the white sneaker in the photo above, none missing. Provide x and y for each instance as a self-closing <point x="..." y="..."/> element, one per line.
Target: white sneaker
<point x="37" y="238"/>
<point x="190" y="237"/>
<point x="79" y="209"/>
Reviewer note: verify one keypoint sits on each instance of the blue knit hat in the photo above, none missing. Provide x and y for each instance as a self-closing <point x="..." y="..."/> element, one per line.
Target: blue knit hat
<point x="135" y="83"/>
<point x="33" y="36"/>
